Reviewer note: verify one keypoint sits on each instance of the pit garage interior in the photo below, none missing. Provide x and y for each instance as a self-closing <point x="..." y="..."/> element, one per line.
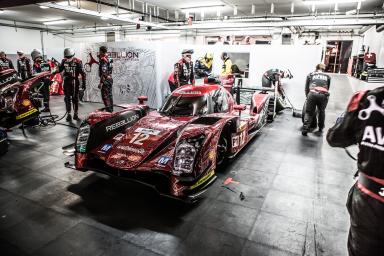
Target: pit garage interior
<point x="282" y="194"/>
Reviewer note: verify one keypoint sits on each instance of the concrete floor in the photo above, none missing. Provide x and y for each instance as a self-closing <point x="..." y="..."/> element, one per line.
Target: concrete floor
<point x="295" y="192"/>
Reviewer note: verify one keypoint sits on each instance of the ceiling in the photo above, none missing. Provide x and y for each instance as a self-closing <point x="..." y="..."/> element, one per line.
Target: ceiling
<point x="166" y="12"/>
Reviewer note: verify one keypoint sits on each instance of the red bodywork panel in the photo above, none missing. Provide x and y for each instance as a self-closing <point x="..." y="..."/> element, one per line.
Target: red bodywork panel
<point x="148" y="145"/>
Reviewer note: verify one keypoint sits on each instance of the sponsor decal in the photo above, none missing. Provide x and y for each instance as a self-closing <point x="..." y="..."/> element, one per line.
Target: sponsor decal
<point x="373" y="137"/>
<point x="163" y="160"/>
<point x="118" y="136"/>
<point x="8" y="79"/>
<point x="121" y="123"/>
<point x="28" y="113"/>
<point x="190" y="92"/>
<point x="106" y="147"/>
<point x="126" y="55"/>
<point x="147" y="131"/>
<point x="212" y="154"/>
<point x="365" y="114"/>
<point x="26" y="103"/>
<point x="131" y="149"/>
<point x="134" y="158"/>
<point x="239" y="139"/>
<point x="381" y="193"/>
<point x="203" y="179"/>
<point x="320" y="77"/>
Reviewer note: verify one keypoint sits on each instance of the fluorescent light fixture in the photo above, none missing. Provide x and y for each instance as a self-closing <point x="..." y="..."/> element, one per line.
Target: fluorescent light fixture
<point x="208" y="8"/>
<point x="292" y="7"/>
<point x="202" y="15"/>
<point x="272" y="8"/>
<point x="97" y="14"/>
<point x="218" y="13"/>
<point x="186" y="15"/>
<point x="336" y="7"/>
<point x="253" y="9"/>
<point x="318" y="2"/>
<point x="104" y="18"/>
<point x="313" y="7"/>
<point x="55" y="22"/>
<point x="351" y="12"/>
<point x="176" y="15"/>
<point x="44" y="7"/>
<point x="235" y="11"/>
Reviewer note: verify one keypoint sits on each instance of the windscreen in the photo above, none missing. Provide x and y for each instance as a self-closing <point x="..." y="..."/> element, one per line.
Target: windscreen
<point x="185" y="106"/>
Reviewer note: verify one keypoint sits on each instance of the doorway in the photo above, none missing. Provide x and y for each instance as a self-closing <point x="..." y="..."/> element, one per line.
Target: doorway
<point x="337" y="56"/>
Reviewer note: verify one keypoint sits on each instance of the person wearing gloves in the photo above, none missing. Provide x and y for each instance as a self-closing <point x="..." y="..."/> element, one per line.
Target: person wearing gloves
<point x="24" y="67"/>
<point x="203" y="66"/>
<point x="71" y="68"/>
<point x="106" y="81"/>
<point x="39" y="66"/>
<point x="183" y="69"/>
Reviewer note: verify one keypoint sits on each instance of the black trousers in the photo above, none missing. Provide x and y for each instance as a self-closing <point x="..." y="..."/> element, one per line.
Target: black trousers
<point x="45" y="91"/>
<point x="265" y="82"/>
<point x="71" y="94"/>
<point x="319" y="101"/>
<point x="172" y="86"/>
<point x="366" y="233"/>
<point x="106" y="94"/>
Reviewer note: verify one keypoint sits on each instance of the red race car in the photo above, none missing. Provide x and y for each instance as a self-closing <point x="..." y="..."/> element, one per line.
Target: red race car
<point x="177" y="149"/>
<point x="19" y="101"/>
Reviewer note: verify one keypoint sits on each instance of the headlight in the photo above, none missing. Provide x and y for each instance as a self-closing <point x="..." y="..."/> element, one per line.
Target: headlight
<point x="82" y="138"/>
<point x="185" y="155"/>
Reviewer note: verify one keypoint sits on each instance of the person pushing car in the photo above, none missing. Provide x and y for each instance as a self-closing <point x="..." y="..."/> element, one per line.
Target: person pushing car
<point x="363" y="124"/>
<point x="71" y="68"/>
<point x="317" y="91"/>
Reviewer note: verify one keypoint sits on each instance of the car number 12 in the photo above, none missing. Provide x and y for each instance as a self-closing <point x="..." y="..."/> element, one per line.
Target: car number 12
<point x="139" y="138"/>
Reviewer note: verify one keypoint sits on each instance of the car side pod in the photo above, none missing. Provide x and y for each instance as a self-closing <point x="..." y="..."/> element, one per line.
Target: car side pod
<point x="239" y="108"/>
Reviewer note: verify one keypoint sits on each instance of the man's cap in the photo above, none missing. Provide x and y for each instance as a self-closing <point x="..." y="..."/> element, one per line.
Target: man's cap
<point x="186" y="51"/>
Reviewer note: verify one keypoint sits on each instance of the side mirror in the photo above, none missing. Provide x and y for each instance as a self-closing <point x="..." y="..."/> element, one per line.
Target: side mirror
<point x="142" y="99"/>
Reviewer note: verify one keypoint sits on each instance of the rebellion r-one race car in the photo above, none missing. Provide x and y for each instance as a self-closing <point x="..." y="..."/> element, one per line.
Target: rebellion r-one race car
<point x="177" y="149"/>
<point x="19" y="101"/>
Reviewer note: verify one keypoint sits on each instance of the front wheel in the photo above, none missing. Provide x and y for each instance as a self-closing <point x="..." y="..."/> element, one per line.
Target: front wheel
<point x="222" y="149"/>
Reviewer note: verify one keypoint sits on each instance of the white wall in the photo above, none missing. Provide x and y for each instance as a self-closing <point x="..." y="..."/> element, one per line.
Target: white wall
<point x="375" y="41"/>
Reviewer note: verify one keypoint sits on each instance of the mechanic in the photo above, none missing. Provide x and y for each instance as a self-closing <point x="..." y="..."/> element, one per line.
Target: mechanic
<point x="106" y="81"/>
<point x="363" y="124"/>
<point x="71" y="67"/>
<point x="203" y="66"/>
<point x="39" y="66"/>
<point x="5" y="63"/>
<point x="183" y="69"/>
<point x="24" y="67"/>
<point x="227" y="65"/>
<point x="317" y="92"/>
<point x="270" y="77"/>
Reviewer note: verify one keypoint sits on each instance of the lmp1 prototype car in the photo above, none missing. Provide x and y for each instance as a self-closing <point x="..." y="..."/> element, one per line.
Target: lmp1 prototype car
<point x="19" y="101"/>
<point x="177" y="149"/>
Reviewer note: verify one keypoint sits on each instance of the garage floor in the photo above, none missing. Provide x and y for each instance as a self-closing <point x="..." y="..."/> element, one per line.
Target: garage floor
<point x="295" y="191"/>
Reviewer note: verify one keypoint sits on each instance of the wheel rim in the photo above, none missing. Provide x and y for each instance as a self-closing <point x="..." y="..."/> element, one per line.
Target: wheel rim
<point x="221" y="150"/>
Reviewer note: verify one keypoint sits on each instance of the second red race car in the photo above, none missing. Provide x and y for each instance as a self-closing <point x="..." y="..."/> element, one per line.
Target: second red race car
<point x="177" y="149"/>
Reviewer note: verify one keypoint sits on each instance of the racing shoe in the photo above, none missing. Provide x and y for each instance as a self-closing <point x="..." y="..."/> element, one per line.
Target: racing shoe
<point x="69" y="117"/>
<point x="76" y="117"/>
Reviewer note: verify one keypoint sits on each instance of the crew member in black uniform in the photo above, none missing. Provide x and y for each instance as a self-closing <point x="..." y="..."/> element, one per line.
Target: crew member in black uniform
<point x="317" y="92"/>
<point x="183" y="70"/>
<point x="363" y="124"/>
<point x="71" y="68"/>
<point x="39" y="66"/>
<point x="5" y="63"/>
<point x="24" y="67"/>
<point x="271" y="76"/>
<point x="106" y="81"/>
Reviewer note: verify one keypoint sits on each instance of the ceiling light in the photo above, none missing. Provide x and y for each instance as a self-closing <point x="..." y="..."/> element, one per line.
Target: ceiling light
<point x="336" y="7"/>
<point x="235" y="11"/>
<point x="317" y="2"/>
<point x="43" y="7"/>
<point x="218" y="13"/>
<point x="211" y="8"/>
<point x="351" y="12"/>
<point x="272" y="8"/>
<point x="55" y="22"/>
<point x="202" y="15"/>
<point x="292" y="7"/>
<point x="253" y="9"/>
<point x="313" y="7"/>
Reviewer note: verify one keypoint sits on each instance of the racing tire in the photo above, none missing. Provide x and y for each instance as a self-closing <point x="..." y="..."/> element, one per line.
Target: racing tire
<point x="222" y="150"/>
